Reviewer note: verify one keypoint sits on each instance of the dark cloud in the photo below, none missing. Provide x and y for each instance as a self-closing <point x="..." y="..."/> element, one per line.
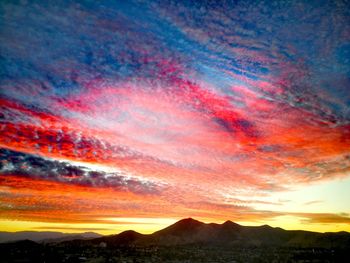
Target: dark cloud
<point x="21" y="164"/>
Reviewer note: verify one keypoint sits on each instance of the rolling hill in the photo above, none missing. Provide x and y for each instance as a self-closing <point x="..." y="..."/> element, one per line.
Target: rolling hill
<point x="229" y="234"/>
<point x="44" y="236"/>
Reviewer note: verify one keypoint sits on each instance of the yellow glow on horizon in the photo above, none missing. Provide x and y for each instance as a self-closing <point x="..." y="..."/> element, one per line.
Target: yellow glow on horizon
<point x="141" y="220"/>
<point x="150" y="225"/>
<point x="141" y="225"/>
<point x="296" y="223"/>
<point x="323" y="197"/>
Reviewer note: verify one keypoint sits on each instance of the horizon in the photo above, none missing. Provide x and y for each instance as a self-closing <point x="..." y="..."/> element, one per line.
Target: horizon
<point x="130" y="115"/>
<point x="150" y="233"/>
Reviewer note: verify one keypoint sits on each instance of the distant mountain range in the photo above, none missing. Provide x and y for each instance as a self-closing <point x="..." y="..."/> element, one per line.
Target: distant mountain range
<point x="188" y="240"/>
<point x="192" y="232"/>
<point x="44" y="237"/>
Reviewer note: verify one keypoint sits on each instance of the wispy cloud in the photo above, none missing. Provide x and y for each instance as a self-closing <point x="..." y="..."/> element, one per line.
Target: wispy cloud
<point x="324" y="218"/>
<point x="313" y="202"/>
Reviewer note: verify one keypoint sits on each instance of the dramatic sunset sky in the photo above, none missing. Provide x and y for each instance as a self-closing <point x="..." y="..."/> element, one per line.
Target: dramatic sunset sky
<point x="121" y="115"/>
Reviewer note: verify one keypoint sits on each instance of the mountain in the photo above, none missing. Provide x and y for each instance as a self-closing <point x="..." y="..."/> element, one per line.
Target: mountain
<point x="125" y="238"/>
<point x="188" y="240"/>
<point x="188" y="231"/>
<point x="229" y="234"/>
<point x="47" y="236"/>
<point x="193" y="232"/>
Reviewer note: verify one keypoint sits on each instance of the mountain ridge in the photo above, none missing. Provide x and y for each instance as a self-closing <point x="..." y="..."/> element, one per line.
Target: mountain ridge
<point x="44" y="236"/>
<point x="189" y="231"/>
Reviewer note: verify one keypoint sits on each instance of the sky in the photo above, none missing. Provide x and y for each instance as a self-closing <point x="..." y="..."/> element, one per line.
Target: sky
<point x="121" y="115"/>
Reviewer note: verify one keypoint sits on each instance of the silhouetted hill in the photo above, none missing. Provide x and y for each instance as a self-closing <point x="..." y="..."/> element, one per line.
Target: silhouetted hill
<point x="229" y="234"/>
<point x="125" y="238"/>
<point x="192" y="241"/>
<point x="22" y="244"/>
<point x="44" y="236"/>
<point x="193" y="232"/>
<point x="69" y="237"/>
<point x="183" y="227"/>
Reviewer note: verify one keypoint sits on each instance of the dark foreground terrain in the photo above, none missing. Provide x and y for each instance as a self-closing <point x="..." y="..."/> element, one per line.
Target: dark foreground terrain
<point x="189" y="241"/>
<point x="31" y="252"/>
